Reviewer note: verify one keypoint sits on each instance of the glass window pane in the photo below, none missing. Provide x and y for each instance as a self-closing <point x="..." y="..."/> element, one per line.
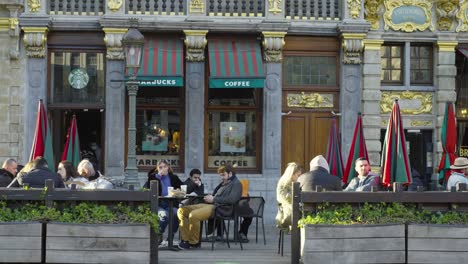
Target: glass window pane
<point x="396" y="63"/>
<point x="311" y="70"/>
<point x="232" y="139"/>
<point x="384" y="63"/>
<point x="234" y="96"/>
<point x="424" y="64"/>
<point x="77" y="77"/>
<point x="396" y="75"/>
<point x="396" y="51"/>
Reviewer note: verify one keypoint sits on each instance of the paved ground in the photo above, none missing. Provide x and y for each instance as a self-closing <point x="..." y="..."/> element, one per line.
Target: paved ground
<point x="252" y="253"/>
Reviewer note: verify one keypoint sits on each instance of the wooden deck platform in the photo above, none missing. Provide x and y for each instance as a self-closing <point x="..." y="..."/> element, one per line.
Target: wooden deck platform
<point x="252" y="253"/>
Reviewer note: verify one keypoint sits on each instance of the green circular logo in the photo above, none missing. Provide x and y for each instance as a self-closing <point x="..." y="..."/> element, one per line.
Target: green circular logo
<point x="78" y="78"/>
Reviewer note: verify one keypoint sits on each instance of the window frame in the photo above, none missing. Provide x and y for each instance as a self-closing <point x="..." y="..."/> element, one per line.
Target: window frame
<point x="402" y="64"/>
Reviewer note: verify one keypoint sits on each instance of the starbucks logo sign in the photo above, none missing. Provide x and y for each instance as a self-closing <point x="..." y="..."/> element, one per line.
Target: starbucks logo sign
<point x="78" y="78"/>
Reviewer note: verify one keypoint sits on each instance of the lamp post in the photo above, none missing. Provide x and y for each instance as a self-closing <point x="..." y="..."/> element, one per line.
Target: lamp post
<point x="133" y="42"/>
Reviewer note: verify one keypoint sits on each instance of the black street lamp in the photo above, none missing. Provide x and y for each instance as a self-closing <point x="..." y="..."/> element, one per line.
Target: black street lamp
<point x="133" y="42"/>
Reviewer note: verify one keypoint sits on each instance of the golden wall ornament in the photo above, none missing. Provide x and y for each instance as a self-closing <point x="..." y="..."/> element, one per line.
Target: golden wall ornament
<point x="273" y="43"/>
<point x="446" y="11"/>
<point x="421" y="123"/>
<point x="422" y="101"/>
<point x="372" y="11"/>
<point x="354" y="7"/>
<point x="195" y="43"/>
<point x="275" y="6"/>
<point x="35" y="39"/>
<point x="114" y="5"/>
<point x="462" y="17"/>
<point x="197" y="7"/>
<point x="34" y="5"/>
<point x="113" y="41"/>
<point x="408" y="15"/>
<point x="310" y="100"/>
<point x="447" y="46"/>
<point x="353" y="46"/>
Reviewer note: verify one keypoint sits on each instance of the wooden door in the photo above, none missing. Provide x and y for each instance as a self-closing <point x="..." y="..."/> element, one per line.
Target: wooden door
<point x="304" y="136"/>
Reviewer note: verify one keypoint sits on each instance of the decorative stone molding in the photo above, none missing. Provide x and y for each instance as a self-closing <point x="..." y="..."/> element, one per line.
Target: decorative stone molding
<point x="275" y="6"/>
<point x="462" y="17"/>
<point x="114" y="5"/>
<point x="197" y="7"/>
<point x="372" y="12"/>
<point x="446" y="11"/>
<point x="411" y="103"/>
<point x="113" y="41"/>
<point x="35" y="39"/>
<point x="408" y="15"/>
<point x="11" y="24"/>
<point x="352" y="47"/>
<point x="273" y="43"/>
<point x="372" y="44"/>
<point x="354" y="8"/>
<point x="421" y="123"/>
<point x="195" y="42"/>
<point x="310" y="100"/>
<point x="447" y="46"/>
<point x="34" y="5"/>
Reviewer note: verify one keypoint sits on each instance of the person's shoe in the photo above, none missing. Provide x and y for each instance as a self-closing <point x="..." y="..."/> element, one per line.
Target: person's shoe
<point x="243" y="238"/>
<point x="195" y="246"/>
<point x="184" y="245"/>
<point x="160" y="239"/>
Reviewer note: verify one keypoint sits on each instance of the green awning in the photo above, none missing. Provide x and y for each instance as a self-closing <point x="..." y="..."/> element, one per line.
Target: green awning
<point x="162" y="63"/>
<point x="235" y="64"/>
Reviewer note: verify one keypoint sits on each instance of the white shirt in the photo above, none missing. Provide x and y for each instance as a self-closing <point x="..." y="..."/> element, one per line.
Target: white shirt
<point x="456" y="178"/>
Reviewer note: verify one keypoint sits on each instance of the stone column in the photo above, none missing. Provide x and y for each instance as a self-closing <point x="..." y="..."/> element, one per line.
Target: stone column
<point x="115" y="103"/>
<point x="445" y="75"/>
<point x="35" y="42"/>
<point x="195" y="43"/>
<point x="371" y="95"/>
<point x="350" y="93"/>
<point x="273" y="43"/>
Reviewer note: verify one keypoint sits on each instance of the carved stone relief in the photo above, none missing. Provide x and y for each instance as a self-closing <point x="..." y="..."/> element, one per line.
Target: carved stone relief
<point x="195" y="43"/>
<point x="412" y="103"/>
<point x="273" y="43"/>
<point x="35" y="39"/>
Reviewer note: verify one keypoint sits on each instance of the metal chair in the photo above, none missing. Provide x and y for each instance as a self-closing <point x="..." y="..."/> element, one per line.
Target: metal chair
<point x="221" y="219"/>
<point x="253" y="207"/>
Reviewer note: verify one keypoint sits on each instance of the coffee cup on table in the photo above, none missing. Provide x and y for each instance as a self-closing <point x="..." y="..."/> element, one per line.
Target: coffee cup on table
<point x="183" y="188"/>
<point x="170" y="191"/>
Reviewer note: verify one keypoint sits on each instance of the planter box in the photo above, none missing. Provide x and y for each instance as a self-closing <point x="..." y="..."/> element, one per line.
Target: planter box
<point x="20" y="242"/>
<point x="92" y="243"/>
<point x="353" y="244"/>
<point x="437" y="244"/>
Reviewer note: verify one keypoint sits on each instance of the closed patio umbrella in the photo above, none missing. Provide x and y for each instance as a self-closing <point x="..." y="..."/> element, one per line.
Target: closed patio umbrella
<point x="448" y="139"/>
<point x="395" y="162"/>
<point x="42" y="143"/>
<point x="334" y="159"/>
<point x="358" y="149"/>
<point x="71" y="150"/>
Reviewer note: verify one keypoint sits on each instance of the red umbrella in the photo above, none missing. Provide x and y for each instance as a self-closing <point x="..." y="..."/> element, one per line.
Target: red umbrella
<point x="334" y="159"/>
<point x="448" y="138"/>
<point x="358" y="149"/>
<point x="71" y="151"/>
<point x="395" y="161"/>
<point x="42" y="143"/>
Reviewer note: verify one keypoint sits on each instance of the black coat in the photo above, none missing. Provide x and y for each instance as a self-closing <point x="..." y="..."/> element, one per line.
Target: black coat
<point x="5" y="178"/>
<point x="319" y="176"/>
<point x="37" y="177"/>
<point x="192" y="187"/>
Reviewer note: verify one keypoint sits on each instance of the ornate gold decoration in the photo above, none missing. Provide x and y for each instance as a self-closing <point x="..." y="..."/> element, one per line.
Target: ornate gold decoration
<point x="352" y="46"/>
<point x="275" y="6"/>
<point x="384" y="123"/>
<point x="391" y="5"/>
<point x="447" y="46"/>
<point x="34" y="5"/>
<point x="197" y="6"/>
<point x="310" y="100"/>
<point x="114" y="5"/>
<point x="273" y="43"/>
<point x="34" y="40"/>
<point x="446" y="11"/>
<point x="421" y="123"/>
<point x="113" y="41"/>
<point x="372" y="11"/>
<point x="424" y="98"/>
<point x="372" y="44"/>
<point x="354" y="7"/>
<point x="462" y="17"/>
<point x="195" y="42"/>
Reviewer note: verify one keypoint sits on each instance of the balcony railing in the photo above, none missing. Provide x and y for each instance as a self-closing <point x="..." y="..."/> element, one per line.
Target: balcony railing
<point x="293" y="9"/>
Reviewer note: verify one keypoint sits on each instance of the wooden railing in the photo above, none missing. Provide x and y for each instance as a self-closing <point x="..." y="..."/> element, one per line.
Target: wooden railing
<point x="308" y="201"/>
<point x="77" y="7"/>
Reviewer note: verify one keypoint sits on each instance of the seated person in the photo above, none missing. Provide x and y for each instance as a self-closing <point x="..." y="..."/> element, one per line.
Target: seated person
<point x="459" y="172"/>
<point x="319" y="175"/>
<point x="87" y="172"/>
<point x="8" y="172"/>
<point x="39" y="173"/>
<point x="365" y="179"/>
<point x="228" y="192"/>
<point x="195" y="187"/>
<point x="284" y="195"/>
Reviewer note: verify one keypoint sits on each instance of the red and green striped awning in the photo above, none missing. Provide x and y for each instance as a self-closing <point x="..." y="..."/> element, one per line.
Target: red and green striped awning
<point x="235" y="64"/>
<point x="162" y="63"/>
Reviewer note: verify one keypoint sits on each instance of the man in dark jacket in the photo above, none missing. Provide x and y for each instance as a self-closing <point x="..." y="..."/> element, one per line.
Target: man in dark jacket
<point x="39" y="174"/>
<point x="8" y="172"/>
<point x="365" y="179"/>
<point x="194" y="183"/>
<point x="319" y="175"/>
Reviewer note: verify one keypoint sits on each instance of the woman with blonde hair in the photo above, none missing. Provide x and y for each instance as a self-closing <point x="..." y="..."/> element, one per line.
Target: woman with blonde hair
<point x="284" y="194"/>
